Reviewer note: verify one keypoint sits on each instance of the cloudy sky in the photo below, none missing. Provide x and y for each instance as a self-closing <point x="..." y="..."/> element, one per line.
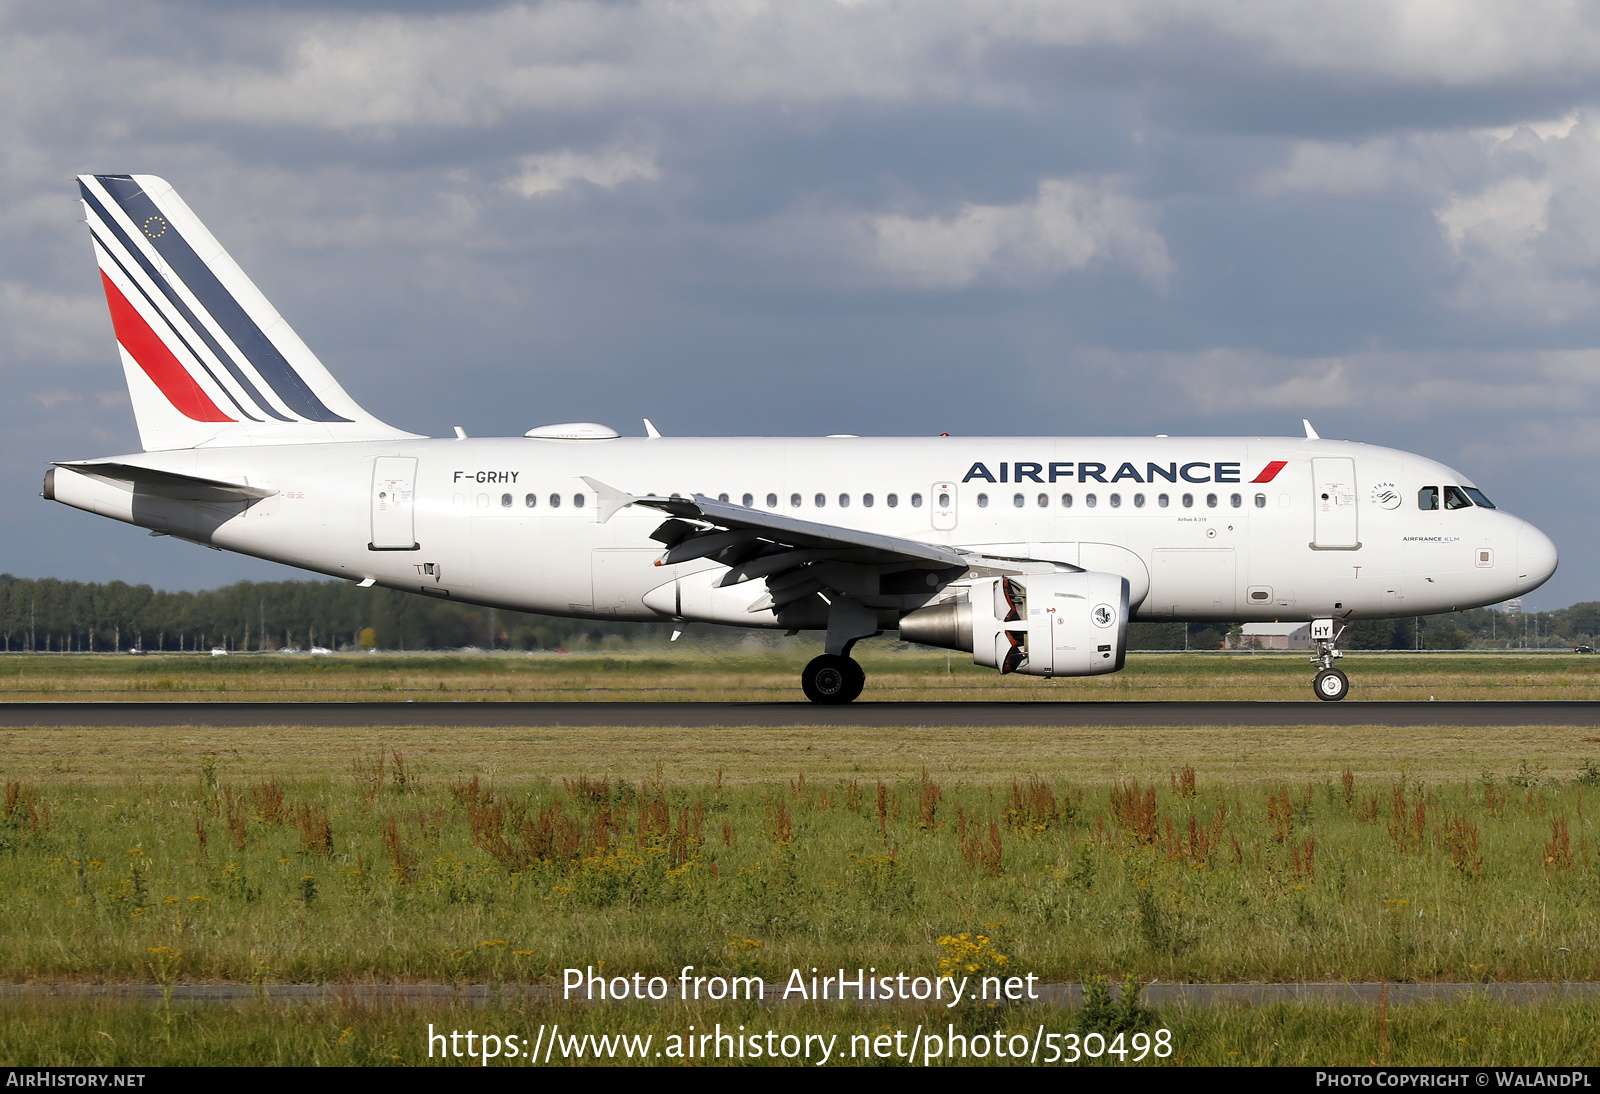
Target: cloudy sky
<point x="814" y="216"/>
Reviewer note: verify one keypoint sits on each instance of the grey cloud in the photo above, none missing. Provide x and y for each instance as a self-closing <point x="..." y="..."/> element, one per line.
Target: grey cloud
<point x="819" y="217"/>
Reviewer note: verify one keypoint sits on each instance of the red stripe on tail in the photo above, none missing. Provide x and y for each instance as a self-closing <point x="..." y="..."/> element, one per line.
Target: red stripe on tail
<point x="152" y="354"/>
<point x="1270" y="472"/>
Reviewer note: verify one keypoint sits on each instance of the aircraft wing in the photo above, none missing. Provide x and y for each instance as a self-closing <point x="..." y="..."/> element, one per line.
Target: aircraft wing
<point x="796" y="557"/>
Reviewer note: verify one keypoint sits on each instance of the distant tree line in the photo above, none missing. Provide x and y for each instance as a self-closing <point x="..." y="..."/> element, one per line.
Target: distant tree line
<point x="50" y="615"/>
<point x="1476" y="628"/>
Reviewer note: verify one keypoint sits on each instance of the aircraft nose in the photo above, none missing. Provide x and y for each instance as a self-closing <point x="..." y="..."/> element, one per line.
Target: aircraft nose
<point x="1536" y="558"/>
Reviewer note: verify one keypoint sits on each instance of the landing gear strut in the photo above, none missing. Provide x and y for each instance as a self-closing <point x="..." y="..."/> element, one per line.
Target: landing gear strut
<point x="1330" y="685"/>
<point x="835" y="677"/>
<point x="832" y="678"/>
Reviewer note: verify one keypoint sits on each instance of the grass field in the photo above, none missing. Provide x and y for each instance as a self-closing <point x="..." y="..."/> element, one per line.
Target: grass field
<point x="285" y="854"/>
<point x="893" y="673"/>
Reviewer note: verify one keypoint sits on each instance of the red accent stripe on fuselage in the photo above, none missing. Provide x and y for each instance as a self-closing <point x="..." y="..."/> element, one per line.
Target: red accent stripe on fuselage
<point x="1270" y="472"/>
<point x="152" y="354"/>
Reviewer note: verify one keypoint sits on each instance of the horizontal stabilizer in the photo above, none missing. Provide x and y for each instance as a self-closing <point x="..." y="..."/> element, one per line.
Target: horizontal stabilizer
<point x="169" y="484"/>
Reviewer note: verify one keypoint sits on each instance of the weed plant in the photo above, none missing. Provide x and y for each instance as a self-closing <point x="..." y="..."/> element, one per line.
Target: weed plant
<point x="388" y="874"/>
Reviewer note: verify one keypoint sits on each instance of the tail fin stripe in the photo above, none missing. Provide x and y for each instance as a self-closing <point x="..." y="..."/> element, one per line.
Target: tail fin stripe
<point x="235" y="322"/>
<point x="152" y="355"/>
<point x="177" y="334"/>
<point x="177" y="304"/>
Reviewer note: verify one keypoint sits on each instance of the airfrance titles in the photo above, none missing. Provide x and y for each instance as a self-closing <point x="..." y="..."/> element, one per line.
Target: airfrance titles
<point x="1127" y="471"/>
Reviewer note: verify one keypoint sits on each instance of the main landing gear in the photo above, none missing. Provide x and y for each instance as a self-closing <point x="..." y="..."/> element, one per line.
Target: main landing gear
<point x="835" y="677"/>
<point x="1330" y="685"/>
<point x="832" y="678"/>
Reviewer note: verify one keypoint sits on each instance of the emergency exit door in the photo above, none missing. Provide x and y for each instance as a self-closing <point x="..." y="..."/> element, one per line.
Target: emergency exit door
<point x="1334" y="504"/>
<point x="393" y="504"/>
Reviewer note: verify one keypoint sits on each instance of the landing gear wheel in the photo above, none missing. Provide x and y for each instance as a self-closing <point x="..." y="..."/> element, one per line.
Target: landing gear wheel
<point x="1331" y="685"/>
<point x="832" y="679"/>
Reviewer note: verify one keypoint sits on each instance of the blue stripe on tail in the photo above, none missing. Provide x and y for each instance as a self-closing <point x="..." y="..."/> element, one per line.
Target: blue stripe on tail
<point x="216" y="299"/>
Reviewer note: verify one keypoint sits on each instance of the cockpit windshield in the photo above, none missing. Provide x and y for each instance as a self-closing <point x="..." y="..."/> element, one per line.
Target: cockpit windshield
<point x="1478" y="496"/>
<point x="1428" y="498"/>
<point x="1456" y="498"/>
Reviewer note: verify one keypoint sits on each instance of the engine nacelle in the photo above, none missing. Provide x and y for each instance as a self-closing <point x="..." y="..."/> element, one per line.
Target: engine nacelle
<point x="1040" y="624"/>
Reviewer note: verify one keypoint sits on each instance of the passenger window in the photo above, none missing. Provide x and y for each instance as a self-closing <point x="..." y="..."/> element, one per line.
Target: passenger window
<point x="1261" y="501"/>
<point x="722" y="497"/>
<point x="1066" y="501"/>
<point x="844" y="501"/>
<point x="983" y="500"/>
<point x="1478" y="496"/>
<point x="916" y="500"/>
<point x="1456" y="498"/>
<point x="1428" y="498"/>
<point x="1044" y="501"/>
<point x="794" y="500"/>
<point x="1090" y="500"/>
<point x="748" y="501"/>
<point x="820" y="500"/>
<point x="505" y="501"/>
<point x="1188" y="501"/>
<point x="1116" y="501"/>
<point x="893" y="501"/>
<point x="531" y="501"/>
<point x="577" y="501"/>
<point x="1138" y="501"/>
<point x="772" y="501"/>
<point x="1211" y="501"/>
<point x="1236" y="500"/>
<point x="1018" y="501"/>
<point x="866" y="499"/>
<point x="1163" y="500"/>
<point x="944" y="500"/>
<point x="555" y="501"/>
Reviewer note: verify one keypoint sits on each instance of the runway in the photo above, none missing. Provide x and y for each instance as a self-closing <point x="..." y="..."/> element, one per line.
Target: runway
<point x="779" y="715"/>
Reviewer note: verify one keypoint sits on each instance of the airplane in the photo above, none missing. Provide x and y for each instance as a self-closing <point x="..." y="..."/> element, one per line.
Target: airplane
<point x="1032" y="554"/>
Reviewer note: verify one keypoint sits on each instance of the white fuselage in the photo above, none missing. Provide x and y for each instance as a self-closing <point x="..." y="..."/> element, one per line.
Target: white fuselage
<point x="1180" y="518"/>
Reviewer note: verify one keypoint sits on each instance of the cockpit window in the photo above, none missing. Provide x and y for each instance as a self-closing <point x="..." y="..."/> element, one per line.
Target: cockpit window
<point x="1454" y="498"/>
<point x="1428" y="497"/>
<point x="1478" y="496"/>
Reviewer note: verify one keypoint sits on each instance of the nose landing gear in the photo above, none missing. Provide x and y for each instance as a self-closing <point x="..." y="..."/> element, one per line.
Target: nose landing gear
<point x="1330" y="685"/>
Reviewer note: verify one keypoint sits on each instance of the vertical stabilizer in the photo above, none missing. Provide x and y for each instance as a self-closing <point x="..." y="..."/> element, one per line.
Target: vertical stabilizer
<point x="208" y="359"/>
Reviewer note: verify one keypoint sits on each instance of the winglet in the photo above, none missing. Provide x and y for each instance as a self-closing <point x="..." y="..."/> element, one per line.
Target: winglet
<point x="651" y="431"/>
<point x="611" y="499"/>
<point x="1311" y="434"/>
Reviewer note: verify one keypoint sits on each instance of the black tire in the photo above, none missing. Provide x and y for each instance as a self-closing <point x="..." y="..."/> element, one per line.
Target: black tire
<point x="1331" y="685"/>
<point x="832" y="679"/>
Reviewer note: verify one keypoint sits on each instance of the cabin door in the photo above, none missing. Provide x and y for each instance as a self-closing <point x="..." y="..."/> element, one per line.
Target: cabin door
<point x="1333" y="481"/>
<point x="394" y="504"/>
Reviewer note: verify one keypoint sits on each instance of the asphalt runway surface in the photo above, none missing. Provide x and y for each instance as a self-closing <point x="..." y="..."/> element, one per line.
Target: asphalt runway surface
<point x="490" y="715"/>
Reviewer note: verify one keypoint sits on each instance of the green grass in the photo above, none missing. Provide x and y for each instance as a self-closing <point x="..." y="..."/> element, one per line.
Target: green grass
<point x="1473" y="1033"/>
<point x="380" y="873"/>
<point x="894" y="672"/>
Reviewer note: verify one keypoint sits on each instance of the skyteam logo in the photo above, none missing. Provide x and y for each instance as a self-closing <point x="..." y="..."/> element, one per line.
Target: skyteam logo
<point x="1195" y="471"/>
<point x="1103" y="615"/>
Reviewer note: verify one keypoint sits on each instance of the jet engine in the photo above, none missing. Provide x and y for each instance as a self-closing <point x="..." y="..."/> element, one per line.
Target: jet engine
<point x="1073" y="624"/>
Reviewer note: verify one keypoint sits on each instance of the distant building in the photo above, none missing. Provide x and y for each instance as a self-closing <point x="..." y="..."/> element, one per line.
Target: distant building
<point x="1271" y="636"/>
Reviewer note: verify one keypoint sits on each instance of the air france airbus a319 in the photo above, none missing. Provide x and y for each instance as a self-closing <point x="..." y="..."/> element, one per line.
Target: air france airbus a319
<point x="1030" y="553"/>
